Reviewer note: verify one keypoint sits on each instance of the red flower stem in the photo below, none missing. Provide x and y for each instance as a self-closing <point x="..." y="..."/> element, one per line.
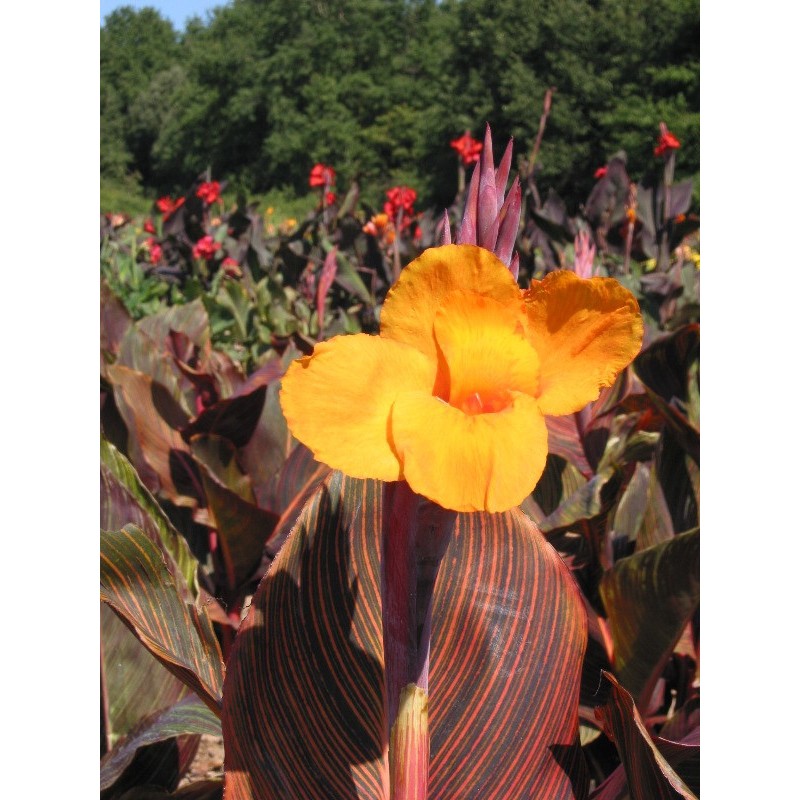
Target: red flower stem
<point x="415" y="537"/>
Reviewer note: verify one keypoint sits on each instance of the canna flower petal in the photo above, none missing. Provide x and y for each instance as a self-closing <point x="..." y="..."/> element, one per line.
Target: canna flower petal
<point x="486" y="357"/>
<point x="338" y="401"/>
<point x="478" y="462"/>
<point x="411" y="305"/>
<point x="585" y="331"/>
<point x="451" y="396"/>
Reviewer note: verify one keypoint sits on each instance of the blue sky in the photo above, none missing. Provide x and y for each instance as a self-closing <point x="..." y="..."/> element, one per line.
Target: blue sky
<point x="177" y="11"/>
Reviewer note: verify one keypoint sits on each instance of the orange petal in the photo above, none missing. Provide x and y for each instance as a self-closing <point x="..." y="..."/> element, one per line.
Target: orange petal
<point x="585" y="331"/>
<point x="485" y="351"/>
<point x="480" y="462"/>
<point x="337" y="401"/>
<point x="411" y="305"/>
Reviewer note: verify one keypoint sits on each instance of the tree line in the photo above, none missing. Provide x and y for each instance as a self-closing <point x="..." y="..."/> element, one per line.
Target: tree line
<point x="263" y="89"/>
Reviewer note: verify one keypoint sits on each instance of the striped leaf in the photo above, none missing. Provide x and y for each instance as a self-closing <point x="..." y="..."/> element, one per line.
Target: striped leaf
<point x="135" y="582"/>
<point x="649" y="598"/>
<point x="124" y="500"/>
<point x="303" y="704"/>
<point x="188" y="716"/>
<point x="299" y="478"/>
<point x="649" y="774"/>
<point x="133" y="684"/>
<point x="199" y="790"/>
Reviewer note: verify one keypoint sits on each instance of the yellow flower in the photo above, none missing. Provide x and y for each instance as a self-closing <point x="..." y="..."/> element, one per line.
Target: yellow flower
<point x="451" y="395"/>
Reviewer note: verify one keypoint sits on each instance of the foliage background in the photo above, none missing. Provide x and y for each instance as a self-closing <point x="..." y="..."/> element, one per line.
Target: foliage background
<point x="265" y="88"/>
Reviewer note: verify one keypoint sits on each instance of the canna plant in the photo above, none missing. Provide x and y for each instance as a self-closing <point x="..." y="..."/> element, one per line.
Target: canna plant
<point x="439" y="424"/>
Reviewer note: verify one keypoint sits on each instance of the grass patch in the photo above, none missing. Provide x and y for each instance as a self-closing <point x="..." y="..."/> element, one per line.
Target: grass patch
<point x="127" y="197"/>
<point x="124" y="197"/>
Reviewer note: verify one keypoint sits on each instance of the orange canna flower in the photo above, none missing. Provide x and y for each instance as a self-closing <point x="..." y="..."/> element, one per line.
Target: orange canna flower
<point x="451" y="395"/>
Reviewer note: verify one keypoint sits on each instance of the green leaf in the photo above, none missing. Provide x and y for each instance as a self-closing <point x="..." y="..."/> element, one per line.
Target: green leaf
<point x="135" y="582"/>
<point x="649" y="598"/>
<point x="187" y="716"/>
<point x="650" y="777"/>
<point x="303" y="708"/>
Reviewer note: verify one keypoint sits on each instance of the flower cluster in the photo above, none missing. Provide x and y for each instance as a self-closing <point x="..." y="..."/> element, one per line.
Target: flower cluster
<point x="381" y="227"/>
<point x="209" y="192"/>
<point x="321" y="175"/>
<point x="400" y="198"/>
<point x="231" y="267"/>
<point x="167" y="206"/>
<point x="154" y="250"/>
<point x="468" y="149"/>
<point x="205" y="248"/>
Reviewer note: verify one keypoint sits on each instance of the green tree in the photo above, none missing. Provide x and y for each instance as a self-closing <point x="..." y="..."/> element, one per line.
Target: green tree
<point x="134" y="47"/>
<point x="377" y="88"/>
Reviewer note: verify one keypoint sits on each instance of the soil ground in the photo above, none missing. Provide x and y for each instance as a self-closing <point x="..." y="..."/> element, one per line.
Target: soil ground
<point x="208" y="761"/>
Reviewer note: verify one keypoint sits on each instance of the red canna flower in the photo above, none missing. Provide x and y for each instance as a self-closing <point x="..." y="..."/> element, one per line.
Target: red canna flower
<point x="321" y="175"/>
<point x="468" y="149"/>
<point x="666" y="143"/>
<point x="209" y="192"/>
<point x="149" y="227"/>
<point x="330" y="198"/>
<point x="600" y="172"/>
<point x="205" y="248"/>
<point x="167" y="206"/>
<point x="155" y="250"/>
<point x="400" y="197"/>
